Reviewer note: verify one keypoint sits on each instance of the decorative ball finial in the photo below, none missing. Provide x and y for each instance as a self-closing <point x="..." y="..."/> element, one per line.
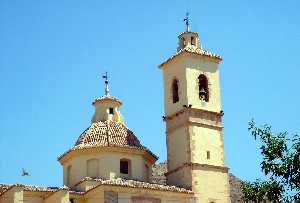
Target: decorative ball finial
<point x="106" y="89"/>
<point x="187" y="22"/>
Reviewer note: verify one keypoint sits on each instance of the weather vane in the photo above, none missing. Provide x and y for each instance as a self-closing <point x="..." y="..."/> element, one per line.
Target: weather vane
<point x="187" y="22"/>
<point x="106" y="90"/>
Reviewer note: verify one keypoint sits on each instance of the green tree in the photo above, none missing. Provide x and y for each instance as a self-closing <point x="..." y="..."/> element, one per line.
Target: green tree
<point x="281" y="162"/>
<point x="259" y="190"/>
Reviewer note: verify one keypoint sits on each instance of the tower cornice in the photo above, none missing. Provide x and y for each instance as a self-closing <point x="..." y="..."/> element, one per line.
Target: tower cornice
<point x="190" y="109"/>
<point x="196" y="52"/>
<point x="197" y="166"/>
<point x="195" y="117"/>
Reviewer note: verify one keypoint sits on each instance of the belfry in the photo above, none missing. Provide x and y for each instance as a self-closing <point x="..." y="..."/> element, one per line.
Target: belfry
<point x="108" y="163"/>
<point x="193" y="117"/>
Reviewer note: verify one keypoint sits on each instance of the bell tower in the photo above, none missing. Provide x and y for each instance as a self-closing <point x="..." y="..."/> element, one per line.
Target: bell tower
<point x="193" y="118"/>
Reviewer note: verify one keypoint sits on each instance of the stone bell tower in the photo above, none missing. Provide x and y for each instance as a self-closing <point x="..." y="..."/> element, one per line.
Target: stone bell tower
<point x="193" y="119"/>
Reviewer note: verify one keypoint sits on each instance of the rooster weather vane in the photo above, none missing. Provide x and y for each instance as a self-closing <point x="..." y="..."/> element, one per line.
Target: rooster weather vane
<point x="106" y="90"/>
<point x="187" y="22"/>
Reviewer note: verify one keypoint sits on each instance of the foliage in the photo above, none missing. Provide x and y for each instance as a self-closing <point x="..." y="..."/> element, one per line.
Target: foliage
<point x="281" y="161"/>
<point x="258" y="190"/>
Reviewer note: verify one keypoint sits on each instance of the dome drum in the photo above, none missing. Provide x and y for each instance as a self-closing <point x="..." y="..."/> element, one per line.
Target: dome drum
<point x="107" y="150"/>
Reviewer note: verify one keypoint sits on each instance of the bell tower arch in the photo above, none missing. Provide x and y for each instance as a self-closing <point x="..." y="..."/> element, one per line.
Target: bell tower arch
<point x="194" y="129"/>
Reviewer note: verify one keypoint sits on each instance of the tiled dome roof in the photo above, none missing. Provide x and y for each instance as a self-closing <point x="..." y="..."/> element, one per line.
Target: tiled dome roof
<point x="108" y="133"/>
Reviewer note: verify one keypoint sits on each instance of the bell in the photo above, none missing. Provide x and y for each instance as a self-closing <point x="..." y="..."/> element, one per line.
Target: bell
<point x="202" y="92"/>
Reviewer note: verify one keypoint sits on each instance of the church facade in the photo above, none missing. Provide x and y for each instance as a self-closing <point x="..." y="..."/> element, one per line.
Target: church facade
<point x="109" y="164"/>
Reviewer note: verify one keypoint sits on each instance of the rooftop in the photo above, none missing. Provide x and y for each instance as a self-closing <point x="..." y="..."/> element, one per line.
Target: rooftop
<point x="138" y="184"/>
<point x="107" y="98"/>
<point x="33" y="188"/>
<point x="193" y="50"/>
<point x="108" y="134"/>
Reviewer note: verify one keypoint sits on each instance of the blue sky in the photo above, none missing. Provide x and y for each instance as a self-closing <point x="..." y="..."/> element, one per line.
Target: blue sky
<point x="53" y="53"/>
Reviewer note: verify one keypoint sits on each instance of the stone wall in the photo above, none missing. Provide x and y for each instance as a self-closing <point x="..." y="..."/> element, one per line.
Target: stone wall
<point x="110" y="197"/>
<point x="160" y="169"/>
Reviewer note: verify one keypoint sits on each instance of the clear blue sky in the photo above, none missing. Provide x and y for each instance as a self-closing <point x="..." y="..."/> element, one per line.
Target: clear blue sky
<point x="53" y="53"/>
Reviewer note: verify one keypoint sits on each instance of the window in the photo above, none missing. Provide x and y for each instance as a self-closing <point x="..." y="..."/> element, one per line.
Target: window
<point x="175" y="91"/>
<point x="92" y="168"/>
<point x="192" y="41"/>
<point x="208" y="154"/>
<point x="203" y="88"/>
<point x="125" y="166"/>
<point x="111" y="110"/>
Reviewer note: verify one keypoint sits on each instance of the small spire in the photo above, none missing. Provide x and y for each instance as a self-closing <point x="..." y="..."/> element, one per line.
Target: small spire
<point x="187" y="22"/>
<point x="106" y="90"/>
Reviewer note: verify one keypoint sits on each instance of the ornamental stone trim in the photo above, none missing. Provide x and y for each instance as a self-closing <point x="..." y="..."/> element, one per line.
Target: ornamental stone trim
<point x="194" y="117"/>
<point x="197" y="166"/>
<point x="196" y="51"/>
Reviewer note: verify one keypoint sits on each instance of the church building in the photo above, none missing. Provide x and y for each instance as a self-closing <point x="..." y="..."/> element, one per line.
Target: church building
<point x="108" y="163"/>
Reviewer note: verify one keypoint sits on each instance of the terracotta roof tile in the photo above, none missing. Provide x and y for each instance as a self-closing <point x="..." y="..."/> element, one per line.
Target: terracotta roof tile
<point x="139" y="184"/>
<point x="6" y="187"/>
<point x="108" y="134"/>
<point x="193" y="50"/>
<point x="107" y="97"/>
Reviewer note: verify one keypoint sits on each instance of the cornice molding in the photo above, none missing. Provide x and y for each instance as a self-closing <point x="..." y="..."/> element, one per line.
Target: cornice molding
<point x="193" y="116"/>
<point x="197" y="166"/>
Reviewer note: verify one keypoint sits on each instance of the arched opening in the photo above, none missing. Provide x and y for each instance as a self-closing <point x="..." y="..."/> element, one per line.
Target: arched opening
<point x="203" y="88"/>
<point x="193" y="41"/>
<point x="207" y="154"/>
<point x="92" y="168"/>
<point x="125" y="167"/>
<point x="175" y="89"/>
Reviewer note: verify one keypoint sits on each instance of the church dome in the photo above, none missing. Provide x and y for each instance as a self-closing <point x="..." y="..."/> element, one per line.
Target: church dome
<point x="108" y="133"/>
<point x="107" y="149"/>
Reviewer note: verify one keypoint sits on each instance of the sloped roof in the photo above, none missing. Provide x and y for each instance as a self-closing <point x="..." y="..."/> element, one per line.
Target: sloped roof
<point x="108" y="134"/>
<point x="138" y="184"/>
<point x="193" y="50"/>
<point x="107" y="98"/>
<point x="33" y="188"/>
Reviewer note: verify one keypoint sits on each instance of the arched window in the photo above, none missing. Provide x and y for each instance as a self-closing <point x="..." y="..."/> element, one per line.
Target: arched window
<point x="125" y="167"/>
<point x="92" y="168"/>
<point x="193" y="41"/>
<point x="208" y="154"/>
<point x="203" y="88"/>
<point x="175" y="88"/>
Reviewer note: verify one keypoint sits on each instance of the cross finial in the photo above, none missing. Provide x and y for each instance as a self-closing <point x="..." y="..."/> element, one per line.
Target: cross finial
<point x="187" y="22"/>
<point x="106" y="90"/>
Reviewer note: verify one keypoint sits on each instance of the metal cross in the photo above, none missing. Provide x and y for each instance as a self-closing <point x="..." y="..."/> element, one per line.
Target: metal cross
<point x="106" y="90"/>
<point x="187" y="22"/>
